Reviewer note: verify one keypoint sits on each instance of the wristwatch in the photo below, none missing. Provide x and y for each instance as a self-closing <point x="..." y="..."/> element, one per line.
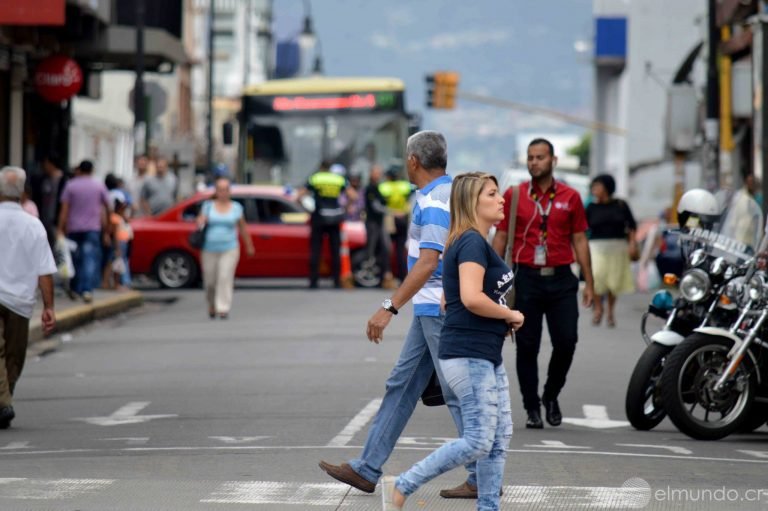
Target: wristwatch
<point x="387" y="305"/>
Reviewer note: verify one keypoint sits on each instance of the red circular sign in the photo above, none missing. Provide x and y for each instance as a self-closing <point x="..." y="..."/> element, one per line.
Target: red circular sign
<point x="58" y="78"/>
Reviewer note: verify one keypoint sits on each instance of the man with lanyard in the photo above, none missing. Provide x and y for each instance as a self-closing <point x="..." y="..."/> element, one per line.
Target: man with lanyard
<point x="550" y="227"/>
<point x="326" y="187"/>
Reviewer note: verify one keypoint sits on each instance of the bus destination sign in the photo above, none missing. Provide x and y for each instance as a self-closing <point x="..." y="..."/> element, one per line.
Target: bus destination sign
<point x="326" y="103"/>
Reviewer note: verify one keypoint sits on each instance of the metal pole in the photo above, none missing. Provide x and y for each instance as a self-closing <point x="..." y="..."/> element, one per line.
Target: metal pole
<point x="726" y="116"/>
<point x="760" y="112"/>
<point x="247" y="44"/>
<point x="711" y="127"/>
<point x="209" y="124"/>
<point x="139" y="111"/>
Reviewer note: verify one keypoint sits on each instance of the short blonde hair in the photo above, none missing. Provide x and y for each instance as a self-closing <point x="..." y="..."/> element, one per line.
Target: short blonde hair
<point x="465" y="192"/>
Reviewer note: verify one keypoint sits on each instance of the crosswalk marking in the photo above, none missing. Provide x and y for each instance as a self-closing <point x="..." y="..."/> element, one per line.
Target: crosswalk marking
<point x="270" y="492"/>
<point x="50" y="489"/>
<point x="357" y="423"/>
<point x="15" y="445"/>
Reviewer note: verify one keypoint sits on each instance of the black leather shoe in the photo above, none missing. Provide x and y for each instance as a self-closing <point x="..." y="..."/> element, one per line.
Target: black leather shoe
<point x="6" y="416"/>
<point x="534" y="419"/>
<point x="554" y="416"/>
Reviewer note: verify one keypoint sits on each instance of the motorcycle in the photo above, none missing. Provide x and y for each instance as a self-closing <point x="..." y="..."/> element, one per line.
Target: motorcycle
<point x="713" y="255"/>
<point x="715" y="382"/>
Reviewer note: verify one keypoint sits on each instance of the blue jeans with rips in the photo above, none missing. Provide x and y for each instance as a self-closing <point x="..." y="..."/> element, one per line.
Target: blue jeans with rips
<point x="87" y="260"/>
<point x="483" y="391"/>
<point x="404" y="387"/>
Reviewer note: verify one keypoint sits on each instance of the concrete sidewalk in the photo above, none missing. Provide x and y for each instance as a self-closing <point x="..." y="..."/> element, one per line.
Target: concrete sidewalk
<point x="71" y="314"/>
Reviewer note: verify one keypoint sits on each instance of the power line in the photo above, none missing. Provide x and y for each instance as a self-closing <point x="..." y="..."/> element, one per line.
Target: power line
<point x="546" y="112"/>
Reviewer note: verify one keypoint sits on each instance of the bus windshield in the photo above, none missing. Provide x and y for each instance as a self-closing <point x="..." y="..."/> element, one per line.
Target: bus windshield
<point x="287" y="132"/>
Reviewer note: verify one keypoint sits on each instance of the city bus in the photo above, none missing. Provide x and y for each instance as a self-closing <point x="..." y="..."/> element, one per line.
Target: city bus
<point x="288" y="128"/>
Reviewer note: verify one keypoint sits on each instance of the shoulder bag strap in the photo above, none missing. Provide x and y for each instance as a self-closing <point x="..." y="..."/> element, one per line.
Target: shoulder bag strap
<point x="512" y="224"/>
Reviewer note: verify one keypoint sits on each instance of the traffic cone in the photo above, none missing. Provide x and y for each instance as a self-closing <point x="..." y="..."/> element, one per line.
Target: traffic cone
<point x="347" y="279"/>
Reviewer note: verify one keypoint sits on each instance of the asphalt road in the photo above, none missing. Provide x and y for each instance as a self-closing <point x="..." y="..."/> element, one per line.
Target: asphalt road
<point x="165" y="409"/>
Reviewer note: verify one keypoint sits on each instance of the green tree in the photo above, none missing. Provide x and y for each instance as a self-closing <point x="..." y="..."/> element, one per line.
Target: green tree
<point x="581" y="150"/>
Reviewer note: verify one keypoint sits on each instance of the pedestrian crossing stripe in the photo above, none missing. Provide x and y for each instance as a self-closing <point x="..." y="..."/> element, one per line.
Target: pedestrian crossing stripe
<point x="50" y="489"/>
<point x="273" y="493"/>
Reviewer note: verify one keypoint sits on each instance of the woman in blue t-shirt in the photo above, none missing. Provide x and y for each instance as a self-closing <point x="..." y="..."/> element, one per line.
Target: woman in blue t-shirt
<point x="477" y="320"/>
<point x="221" y="250"/>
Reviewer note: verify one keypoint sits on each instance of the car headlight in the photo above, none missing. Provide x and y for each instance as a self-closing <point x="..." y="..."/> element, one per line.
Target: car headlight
<point x="695" y="285"/>
<point x="697" y="257"/>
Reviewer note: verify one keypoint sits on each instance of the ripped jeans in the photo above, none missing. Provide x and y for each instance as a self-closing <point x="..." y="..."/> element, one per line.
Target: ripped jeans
<point x="483" y="392"/>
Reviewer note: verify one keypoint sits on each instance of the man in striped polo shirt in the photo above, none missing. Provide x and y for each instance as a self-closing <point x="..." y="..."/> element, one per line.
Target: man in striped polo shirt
<point x="427" y="158"/>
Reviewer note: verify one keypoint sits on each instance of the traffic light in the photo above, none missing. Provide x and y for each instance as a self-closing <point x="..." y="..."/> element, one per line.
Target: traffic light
<point x="441" y="89"/>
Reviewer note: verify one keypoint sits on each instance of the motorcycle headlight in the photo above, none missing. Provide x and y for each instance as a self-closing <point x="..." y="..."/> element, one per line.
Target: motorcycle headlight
<point x="734" y="290"/>
<point x="755" y="289"/>
<point x="697" y="257"/>
<point x="695" y="285"/>
<point x="718" y="266"/>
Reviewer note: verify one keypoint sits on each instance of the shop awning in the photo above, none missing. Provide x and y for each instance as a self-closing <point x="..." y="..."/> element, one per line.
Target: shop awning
<point x="115" y="48"/>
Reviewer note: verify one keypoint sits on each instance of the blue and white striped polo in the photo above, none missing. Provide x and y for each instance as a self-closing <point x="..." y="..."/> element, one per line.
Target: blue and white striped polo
<point x="429" y="229"/>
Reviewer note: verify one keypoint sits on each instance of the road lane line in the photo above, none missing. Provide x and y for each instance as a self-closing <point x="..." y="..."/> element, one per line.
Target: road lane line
<point x="118" y="451"/>
<point x="674" y="449"/>
<point x="357" y="423"/>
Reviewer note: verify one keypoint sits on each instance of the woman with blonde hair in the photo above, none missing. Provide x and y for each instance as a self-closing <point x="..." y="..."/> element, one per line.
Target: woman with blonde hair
<point x="221" y="250"/>
<point x="476" y="283"/>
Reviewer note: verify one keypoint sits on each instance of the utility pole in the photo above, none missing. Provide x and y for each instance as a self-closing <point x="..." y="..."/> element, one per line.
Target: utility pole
<point x="209" y="122"/>
<point x="247" y="43"/>
<point x="712" y="124"/>
<point x="759" y="111"/>
<point x="139" y="111"/>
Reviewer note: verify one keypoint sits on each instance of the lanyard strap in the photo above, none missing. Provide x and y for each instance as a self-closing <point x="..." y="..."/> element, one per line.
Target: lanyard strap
<point x="544" y="214"/>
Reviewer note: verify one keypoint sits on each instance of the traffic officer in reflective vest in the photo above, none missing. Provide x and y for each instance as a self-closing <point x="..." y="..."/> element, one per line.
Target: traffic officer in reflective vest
<point x="550" y="227"/>
<point x="326" y="187"/>
<point x="396" y="193"/>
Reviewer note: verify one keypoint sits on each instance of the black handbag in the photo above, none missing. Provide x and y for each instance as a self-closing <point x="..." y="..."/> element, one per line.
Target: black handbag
<point x="197" y="237"/>
<point x="433" y="394"/>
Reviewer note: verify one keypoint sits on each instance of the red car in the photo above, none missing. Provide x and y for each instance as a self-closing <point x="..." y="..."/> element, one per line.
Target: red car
<point x="277" y="224"/>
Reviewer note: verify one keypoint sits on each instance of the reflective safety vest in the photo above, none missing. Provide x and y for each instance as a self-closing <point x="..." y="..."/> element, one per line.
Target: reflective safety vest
<point x="327" y="185"/>
<point x="396" y="194"/>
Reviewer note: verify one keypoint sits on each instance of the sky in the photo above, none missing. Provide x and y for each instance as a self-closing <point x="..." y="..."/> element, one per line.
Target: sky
<point x="520" y="50"/>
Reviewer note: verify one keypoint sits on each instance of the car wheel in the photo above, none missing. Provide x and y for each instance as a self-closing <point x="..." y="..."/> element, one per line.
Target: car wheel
<point x="175" y="269"/>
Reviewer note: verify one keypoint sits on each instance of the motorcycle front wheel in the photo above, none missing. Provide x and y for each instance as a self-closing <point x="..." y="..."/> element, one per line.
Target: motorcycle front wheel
<point x="688" y="394"/>
<point x="643" y="404"/>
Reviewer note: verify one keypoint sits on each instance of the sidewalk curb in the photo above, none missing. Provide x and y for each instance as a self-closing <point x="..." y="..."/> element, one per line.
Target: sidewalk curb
<point x="77" y="316"/>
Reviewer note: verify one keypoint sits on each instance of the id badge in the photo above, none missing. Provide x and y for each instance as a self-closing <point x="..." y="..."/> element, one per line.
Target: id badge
<point x="540" y="255"/>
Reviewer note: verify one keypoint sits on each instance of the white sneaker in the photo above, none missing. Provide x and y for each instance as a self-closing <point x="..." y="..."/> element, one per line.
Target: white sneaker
<point x="387" y="489"/>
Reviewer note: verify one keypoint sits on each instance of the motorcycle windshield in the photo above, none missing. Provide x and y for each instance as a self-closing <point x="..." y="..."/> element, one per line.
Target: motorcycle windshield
<point x="737" y="234"/>
<point x="742" y="220"/>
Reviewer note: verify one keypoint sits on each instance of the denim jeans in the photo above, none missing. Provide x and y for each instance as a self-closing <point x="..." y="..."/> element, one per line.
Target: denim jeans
<point x="483" y="391"/>
<point x="86" y="260"/>
<point x="404" y="386"/>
